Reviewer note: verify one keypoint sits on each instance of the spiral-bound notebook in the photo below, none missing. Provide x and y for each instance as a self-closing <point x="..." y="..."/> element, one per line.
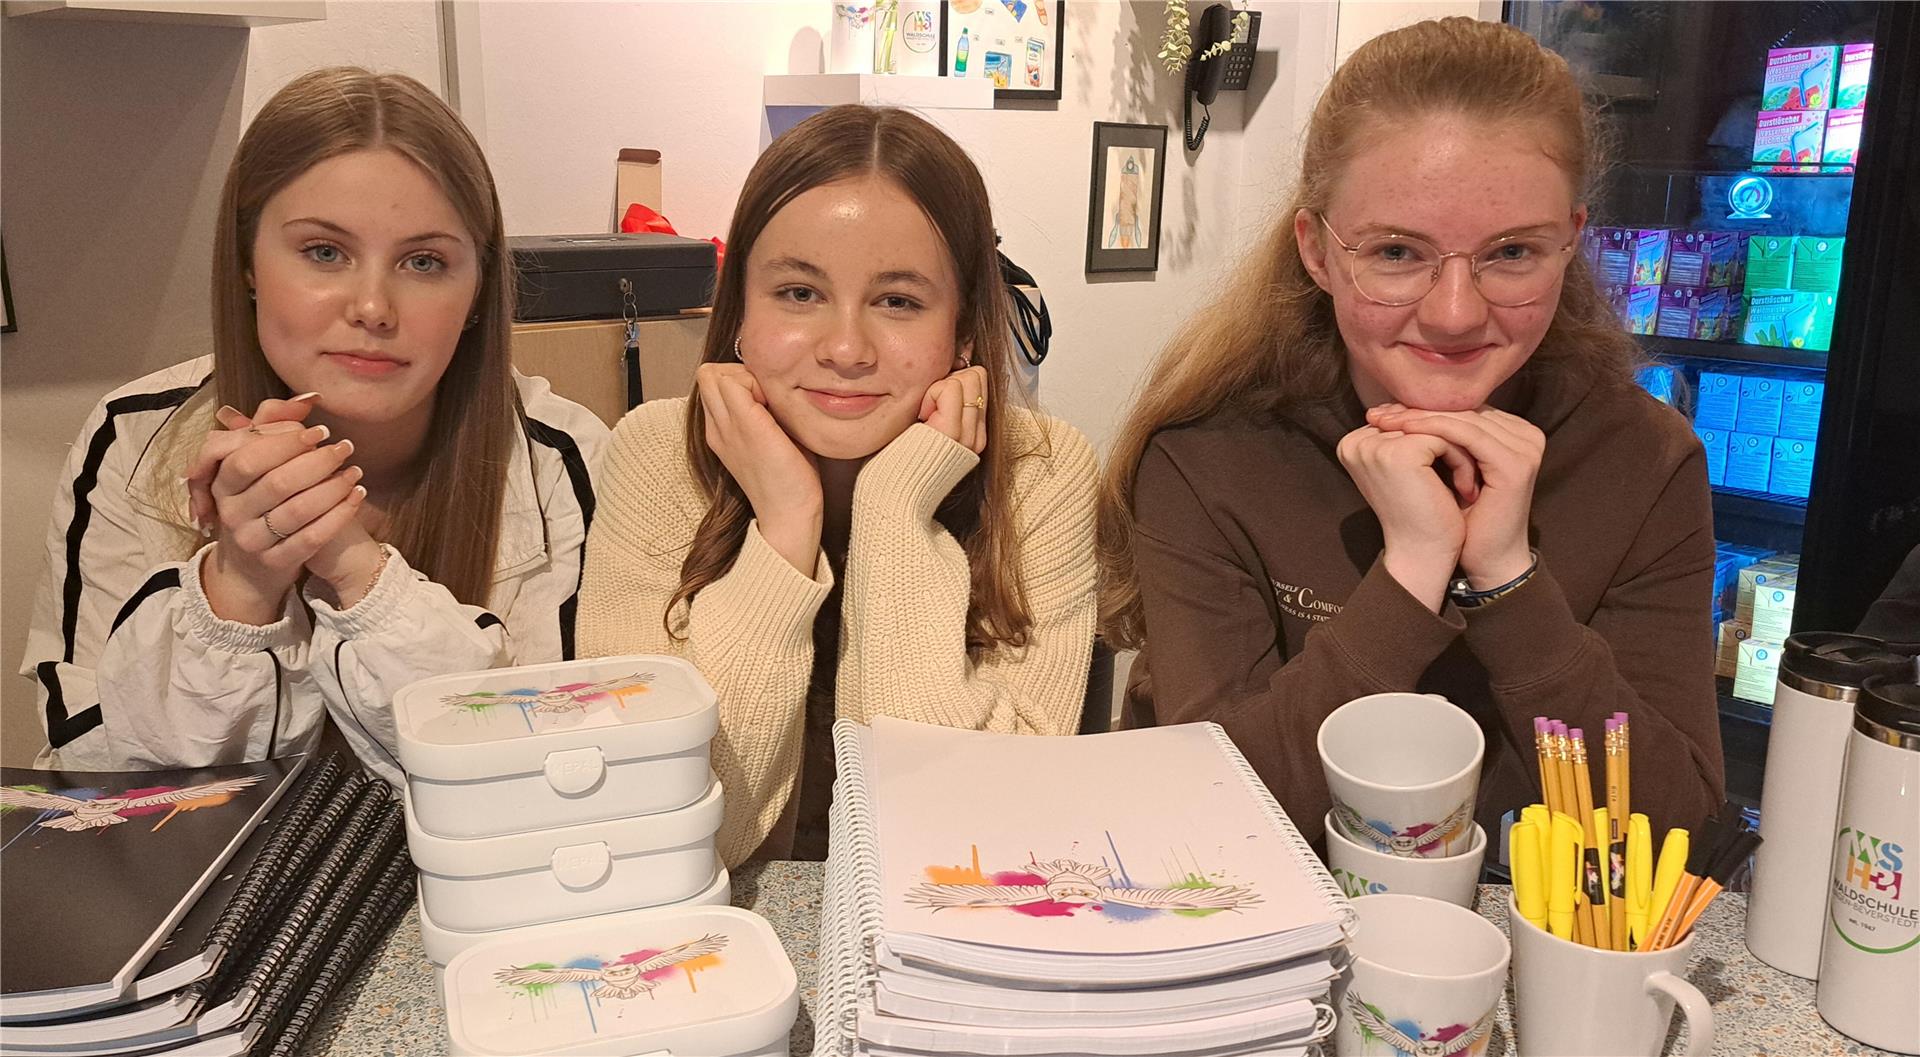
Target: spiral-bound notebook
<point x="291" y="941"/>
<point x="99" y="868"/>
<point x="1152" y="864"/>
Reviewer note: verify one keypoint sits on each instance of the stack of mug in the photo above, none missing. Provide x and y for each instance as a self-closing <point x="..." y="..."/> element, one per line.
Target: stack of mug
<point x="1428" y="972"/>
<point x="1403" y="770"/>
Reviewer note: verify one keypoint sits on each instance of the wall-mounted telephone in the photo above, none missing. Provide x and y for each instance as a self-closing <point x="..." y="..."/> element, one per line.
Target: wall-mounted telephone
<point x="1228" y="72"/>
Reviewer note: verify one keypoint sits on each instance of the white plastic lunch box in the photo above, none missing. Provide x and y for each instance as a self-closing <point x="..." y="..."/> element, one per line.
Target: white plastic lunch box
<point x="689" y="981"/>
<point x="443" y="944"/>
<point x="568" y="871"/>
<point x="514" y="750"/>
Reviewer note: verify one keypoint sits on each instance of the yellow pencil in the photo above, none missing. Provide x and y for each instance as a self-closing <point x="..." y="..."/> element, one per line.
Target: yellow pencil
<point x="1596" y="842"/>
<point x="1549" y="772"/>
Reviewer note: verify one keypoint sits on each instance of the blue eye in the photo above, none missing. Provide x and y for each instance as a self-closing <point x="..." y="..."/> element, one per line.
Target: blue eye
<point x="425" y="263"/>
<point x="800" y="295"/>
<point x="322" y="253"/>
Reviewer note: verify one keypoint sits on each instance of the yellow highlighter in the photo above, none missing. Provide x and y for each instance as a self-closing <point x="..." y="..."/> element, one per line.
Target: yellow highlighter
<point x="1639" y="879"/>
<point x="1529" y="884"/>
<point x="1542" y="820"/>
<point x="1666" y="876"/>
<point x="1563" y="880"/>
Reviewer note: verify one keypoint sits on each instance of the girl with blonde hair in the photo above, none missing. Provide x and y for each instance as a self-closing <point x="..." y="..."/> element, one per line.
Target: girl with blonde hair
<point x="1404" y="452"/>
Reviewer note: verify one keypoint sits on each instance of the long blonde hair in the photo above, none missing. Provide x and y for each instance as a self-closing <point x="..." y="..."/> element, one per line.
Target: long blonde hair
<point x="1270" y="340"/>
<point x="837" y="144"/>
<point x="462" y="464"/>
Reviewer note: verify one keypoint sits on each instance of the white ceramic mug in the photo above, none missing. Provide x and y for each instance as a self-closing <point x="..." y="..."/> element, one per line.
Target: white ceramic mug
<point x="1403" y="770"/>
<point x="1362" y="871"/>
<point x="1426" y="979"/>
<point x="1575" y="1000"/>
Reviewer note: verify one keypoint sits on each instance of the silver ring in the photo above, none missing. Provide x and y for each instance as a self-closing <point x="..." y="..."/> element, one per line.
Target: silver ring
<point x="267" y="520"/>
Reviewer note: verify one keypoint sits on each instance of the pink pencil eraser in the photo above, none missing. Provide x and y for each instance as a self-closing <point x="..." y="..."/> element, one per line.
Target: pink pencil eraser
<point x="1540" y="725"/>
<point x="1576" y="734"/>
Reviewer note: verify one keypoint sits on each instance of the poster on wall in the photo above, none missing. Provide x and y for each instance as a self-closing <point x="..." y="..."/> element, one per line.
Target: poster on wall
<point x="1015" y="43"/>
<point x="1127" y="185"/>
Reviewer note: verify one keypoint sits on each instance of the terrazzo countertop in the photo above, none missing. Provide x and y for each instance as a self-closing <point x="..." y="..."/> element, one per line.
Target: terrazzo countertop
<point x="393" y="1008"/>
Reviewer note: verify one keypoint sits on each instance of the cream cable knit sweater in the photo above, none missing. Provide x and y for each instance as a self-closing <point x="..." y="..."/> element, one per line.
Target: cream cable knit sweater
<point x="903" y="638"/>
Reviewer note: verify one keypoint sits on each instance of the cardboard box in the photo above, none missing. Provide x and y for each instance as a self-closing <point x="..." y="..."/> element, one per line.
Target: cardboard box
<point x="1792" y="472"/>
<point x="1800" y="409"/>
<point x="1856" y="66"/>
<point x="1788" y="139"/>
<point x="1769" y="263"/>
<point x="1773" y="611"/>
<point x="1779" y="569"/>
<point x="1800" y="78"/>
<point x="1634" y="256"/>
<point x="1757" y="671"/>
<point x="1784" y="319"/>
<point x="1841" y="142"/>
<point x="1731" y="634"/>
<point x="1707" y="258"/>
<point x="1816" y="263"/>
<point x="1749" y="461"/>
<point x="1715" y="441"/>
<point x="1717" y="405"/>
<point x="1760" y="402"/>
<point x="1643" y="309"/>
<point x="585" y="360"/>
<point x="1698" y="312"/>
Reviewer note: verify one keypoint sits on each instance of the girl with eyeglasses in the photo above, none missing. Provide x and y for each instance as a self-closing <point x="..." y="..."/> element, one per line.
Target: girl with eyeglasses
<point x="1404" y="452"/>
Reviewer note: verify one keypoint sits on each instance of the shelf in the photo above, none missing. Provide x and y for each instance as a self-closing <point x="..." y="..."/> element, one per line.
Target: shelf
<point x="820" y="90"/>
<point x="245" y="13"/>
<point x="1769" y="355"/>
<point x="1739" y="707"/>
<point x="1762" y="505"/>
<point x="1798" y="172"/>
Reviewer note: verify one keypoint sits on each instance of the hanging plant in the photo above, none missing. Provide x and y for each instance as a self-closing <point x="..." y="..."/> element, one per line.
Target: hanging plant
<point x="1176" y="42"/>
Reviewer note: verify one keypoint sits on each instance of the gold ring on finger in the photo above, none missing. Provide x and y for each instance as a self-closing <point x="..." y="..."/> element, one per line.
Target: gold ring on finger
<point x="979" y="402"/>
<point x="267" y="519"/>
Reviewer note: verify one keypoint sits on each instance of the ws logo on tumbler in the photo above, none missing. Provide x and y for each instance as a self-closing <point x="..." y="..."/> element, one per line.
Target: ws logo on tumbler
<point x="1870" y="864"/>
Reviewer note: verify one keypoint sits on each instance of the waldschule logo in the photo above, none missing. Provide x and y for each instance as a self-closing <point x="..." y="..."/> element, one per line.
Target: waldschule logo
<point x="1871" y="864"/>
<point x="1304" y="602"/>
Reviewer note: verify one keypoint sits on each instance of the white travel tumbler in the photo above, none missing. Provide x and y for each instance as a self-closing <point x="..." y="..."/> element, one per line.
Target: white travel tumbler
<point x="1870" y="956"/>
<point x="1820" y="678"/>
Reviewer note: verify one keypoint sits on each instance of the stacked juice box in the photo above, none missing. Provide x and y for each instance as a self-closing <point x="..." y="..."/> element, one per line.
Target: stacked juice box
<point x="1762" y="620"/>
<point x="1792" y="286"/>
<point x="1759" y="430"/>
<point x="1812" y="106"/>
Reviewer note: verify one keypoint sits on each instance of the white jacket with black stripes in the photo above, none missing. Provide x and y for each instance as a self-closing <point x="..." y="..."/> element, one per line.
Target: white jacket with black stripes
<point x="134" y="671"/>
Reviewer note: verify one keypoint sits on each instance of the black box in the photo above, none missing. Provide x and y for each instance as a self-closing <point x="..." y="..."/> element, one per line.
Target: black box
<point x="579" y="276"/>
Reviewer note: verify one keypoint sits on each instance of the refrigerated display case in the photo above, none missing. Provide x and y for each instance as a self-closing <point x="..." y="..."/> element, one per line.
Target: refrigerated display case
<point x="1759" y="230"/>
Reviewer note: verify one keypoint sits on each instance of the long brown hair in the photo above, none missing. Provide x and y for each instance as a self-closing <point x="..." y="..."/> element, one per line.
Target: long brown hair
<point x="462" y="464"/>
<point x="838" y="144"/>
<point x="1270" y="339"/>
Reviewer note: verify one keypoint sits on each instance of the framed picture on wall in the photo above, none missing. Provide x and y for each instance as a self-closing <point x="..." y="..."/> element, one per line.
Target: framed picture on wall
<point x="1017" y="43"/>
<point x="1127" y="186"/>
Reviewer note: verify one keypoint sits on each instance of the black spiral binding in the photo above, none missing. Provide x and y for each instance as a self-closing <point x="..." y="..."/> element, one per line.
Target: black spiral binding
<point x="382" y="909"/>
<point x="267" y="875"/>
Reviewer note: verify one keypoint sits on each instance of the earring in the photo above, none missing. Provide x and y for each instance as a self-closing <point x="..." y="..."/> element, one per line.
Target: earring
<point x="252" y="294"/>
<point x="736" y="349"/>
<point x="471" y="320"/>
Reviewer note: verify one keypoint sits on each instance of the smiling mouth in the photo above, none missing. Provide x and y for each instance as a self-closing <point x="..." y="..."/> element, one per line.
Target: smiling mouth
<point x="1452" y="356"/>
<point x="841" y="403"/>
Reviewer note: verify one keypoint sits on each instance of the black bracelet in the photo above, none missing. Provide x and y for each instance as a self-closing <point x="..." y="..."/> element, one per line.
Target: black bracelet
<point x="1466" y="597"/>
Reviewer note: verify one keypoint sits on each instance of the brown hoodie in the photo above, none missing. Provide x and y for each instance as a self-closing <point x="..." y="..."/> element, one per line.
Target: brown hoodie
<point x="1267" y="606"/>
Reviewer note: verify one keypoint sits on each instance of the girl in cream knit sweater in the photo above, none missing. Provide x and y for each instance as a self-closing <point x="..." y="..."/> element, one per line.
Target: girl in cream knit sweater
<point x="846" y="520"/>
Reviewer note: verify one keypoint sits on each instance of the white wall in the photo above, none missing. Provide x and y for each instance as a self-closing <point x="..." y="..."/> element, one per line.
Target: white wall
<point x="1362" y="20"/>
<point x="685" y="79"/>
<point x="118" y="136"/>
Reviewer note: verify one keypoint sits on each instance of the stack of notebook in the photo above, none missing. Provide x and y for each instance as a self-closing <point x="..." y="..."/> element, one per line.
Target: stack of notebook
<point x="1129" y="893"/>
<point x="211" y="911"/>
